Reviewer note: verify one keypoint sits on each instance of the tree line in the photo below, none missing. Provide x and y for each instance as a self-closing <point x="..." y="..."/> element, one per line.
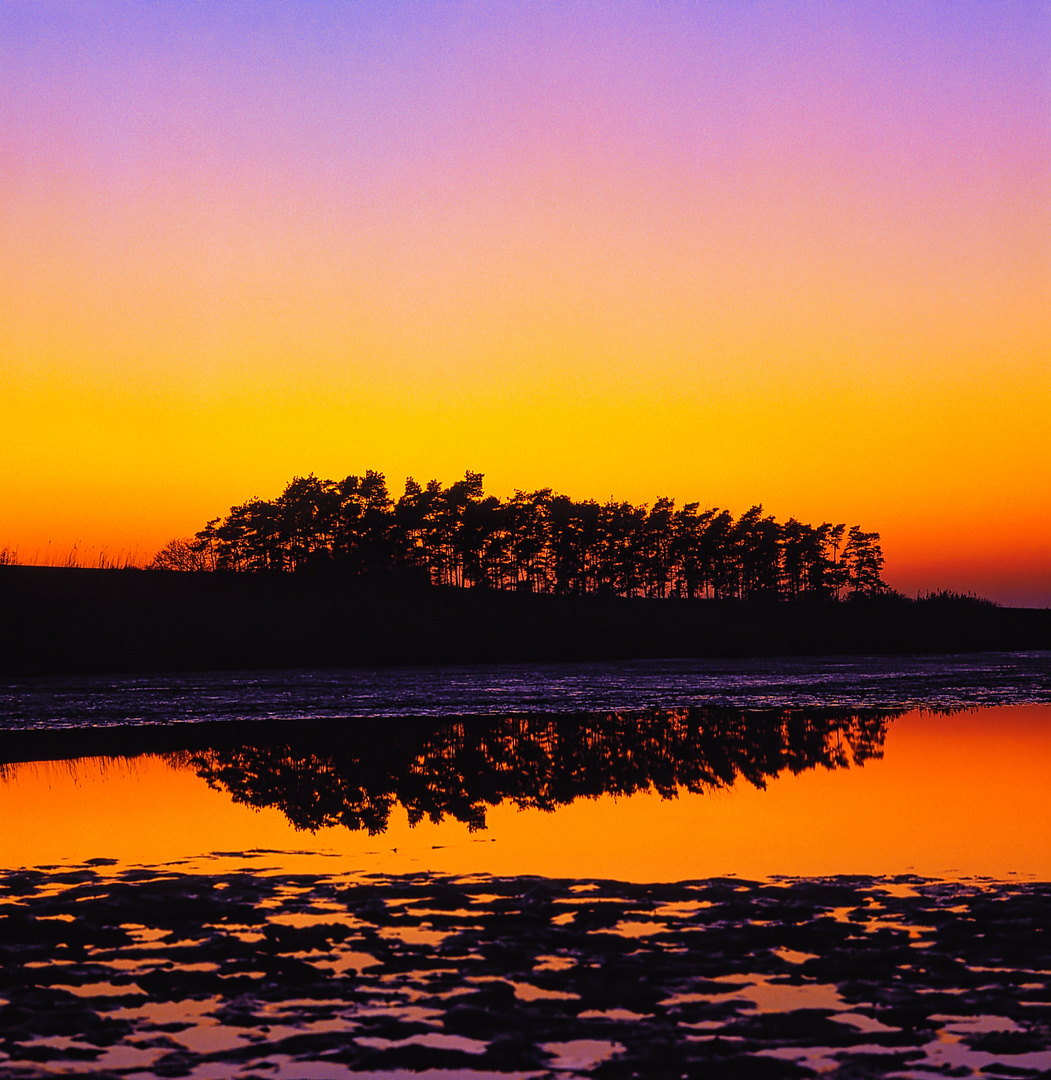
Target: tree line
<point x="536" y="541"/>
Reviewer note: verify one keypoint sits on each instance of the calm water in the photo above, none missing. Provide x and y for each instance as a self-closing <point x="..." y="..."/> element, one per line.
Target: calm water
<point x="819" y="867"/>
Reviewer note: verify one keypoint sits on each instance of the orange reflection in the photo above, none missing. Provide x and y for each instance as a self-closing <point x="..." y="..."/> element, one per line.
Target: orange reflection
<point x="953" y="795"/>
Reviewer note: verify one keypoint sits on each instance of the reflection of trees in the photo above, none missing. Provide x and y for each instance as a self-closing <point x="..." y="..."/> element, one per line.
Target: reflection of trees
<point x="536" y="541"/>
<point x="459" y="768"/>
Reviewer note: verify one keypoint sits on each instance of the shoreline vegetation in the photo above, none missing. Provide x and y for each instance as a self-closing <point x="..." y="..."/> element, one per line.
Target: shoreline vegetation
<point x="340" y="574"/>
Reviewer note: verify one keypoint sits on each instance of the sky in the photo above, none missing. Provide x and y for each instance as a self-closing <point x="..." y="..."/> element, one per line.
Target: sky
<point x="735" y="252"/>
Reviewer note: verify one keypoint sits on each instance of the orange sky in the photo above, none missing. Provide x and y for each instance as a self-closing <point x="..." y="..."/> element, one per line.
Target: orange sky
<point x="957" y="795"/>
<point x="795" y="255"/>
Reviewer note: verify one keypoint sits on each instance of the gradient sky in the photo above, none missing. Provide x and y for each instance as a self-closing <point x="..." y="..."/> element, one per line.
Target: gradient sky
<point x="795" y="253"/>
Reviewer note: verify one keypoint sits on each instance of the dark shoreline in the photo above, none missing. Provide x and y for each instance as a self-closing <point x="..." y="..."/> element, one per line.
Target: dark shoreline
<point x="72" y="621"/>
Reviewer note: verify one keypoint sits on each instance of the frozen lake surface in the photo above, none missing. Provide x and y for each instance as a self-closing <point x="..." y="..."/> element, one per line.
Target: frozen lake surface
<point x="937" y="682"/>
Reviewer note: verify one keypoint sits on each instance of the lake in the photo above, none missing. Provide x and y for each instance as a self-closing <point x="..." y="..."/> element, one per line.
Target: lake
<point x="804" y="867"/>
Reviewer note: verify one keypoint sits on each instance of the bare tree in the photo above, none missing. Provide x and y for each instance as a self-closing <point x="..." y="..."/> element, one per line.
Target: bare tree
<point x="182" y="554"/>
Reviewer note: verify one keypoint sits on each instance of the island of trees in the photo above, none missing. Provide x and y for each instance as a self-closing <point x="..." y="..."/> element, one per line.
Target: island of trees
<point x="537" y="542"/>
<point x="342" y="574"/>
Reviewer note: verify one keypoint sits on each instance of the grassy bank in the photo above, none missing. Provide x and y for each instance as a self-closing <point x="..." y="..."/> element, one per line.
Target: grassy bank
<point x="56" y="620"/>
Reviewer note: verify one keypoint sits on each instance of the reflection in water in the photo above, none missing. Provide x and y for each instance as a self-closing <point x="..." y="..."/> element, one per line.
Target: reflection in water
<point x="951" y="795"/>
<point x="323" y="778"/>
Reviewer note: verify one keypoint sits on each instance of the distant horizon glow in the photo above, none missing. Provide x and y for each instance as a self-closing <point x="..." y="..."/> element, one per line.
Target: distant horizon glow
<point x="794" y="255"/>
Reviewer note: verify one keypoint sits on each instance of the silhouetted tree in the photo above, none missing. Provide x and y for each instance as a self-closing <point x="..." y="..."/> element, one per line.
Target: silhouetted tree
<point x="658" y="548"/>
<point x="307" y="513"/>
<point x="181" y="554"/>
<point x="863" y="563"/>
<point x="718" y="556"/>
<point x="756" y="540"/>
<point x="528" y="533"/>
<point x="573" y="538"/>
<point x="364" y="538"/>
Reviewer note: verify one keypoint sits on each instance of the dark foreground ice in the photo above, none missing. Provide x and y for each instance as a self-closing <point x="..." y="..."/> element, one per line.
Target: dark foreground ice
<point x="859" y="682"/>
<point x="160" y="971"/>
